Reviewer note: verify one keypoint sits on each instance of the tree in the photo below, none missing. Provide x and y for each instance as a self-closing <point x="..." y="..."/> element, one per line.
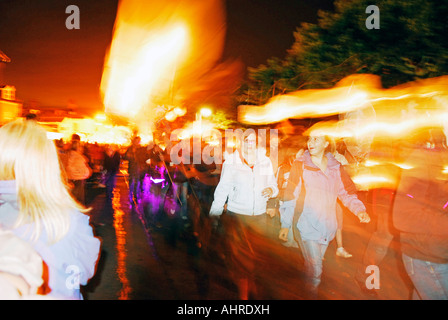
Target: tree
<point x="411" y="44"/>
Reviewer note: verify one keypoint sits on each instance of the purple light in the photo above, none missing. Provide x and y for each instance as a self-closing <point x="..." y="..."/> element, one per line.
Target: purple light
<point x="157" y="180"/>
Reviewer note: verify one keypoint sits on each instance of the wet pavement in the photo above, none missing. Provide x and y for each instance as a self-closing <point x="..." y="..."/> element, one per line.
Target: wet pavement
<point x="144" y="258"/>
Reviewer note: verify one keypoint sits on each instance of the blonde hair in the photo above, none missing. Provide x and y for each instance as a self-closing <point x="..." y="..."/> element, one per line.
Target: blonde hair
<point x="31" y="159"/>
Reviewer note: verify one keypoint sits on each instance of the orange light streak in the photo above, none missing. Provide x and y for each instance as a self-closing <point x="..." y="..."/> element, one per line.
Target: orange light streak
<point x="367" y="113"/>
<point x="356" y="92"/>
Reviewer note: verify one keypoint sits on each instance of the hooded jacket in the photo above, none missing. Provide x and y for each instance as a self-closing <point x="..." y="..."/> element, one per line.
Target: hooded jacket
<point x="71" y="261"/>
<point x="318" y="220"/>
<point x="242" y="186"/>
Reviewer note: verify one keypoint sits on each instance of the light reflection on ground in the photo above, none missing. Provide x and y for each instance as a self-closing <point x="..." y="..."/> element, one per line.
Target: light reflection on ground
<point x="120" y="233"/>
<point x="205" y="273"/>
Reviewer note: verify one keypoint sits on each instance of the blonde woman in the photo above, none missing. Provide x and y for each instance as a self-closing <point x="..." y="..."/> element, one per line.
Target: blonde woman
<point x="36" y="205"/>
<point x="247" y="182"/>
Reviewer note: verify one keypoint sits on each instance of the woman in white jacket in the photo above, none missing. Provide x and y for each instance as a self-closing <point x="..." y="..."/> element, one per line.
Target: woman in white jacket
<point x="247" y="182"/>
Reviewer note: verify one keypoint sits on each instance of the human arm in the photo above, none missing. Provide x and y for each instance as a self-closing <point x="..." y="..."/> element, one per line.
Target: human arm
<point x="294" y="180"/>
<point x="348" y="197"/>
<point x="222" y="190"/>
<point x="271" y="189"/>
<point x="286" y="218"/>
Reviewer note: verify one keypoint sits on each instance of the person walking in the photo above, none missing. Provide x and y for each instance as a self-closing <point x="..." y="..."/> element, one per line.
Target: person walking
<point x="316" y="182"/>
<point x="77" y="169"/>
<point x="247" y="182"/>
<point x="112" y="160"/>
<point x="136" y="156"/>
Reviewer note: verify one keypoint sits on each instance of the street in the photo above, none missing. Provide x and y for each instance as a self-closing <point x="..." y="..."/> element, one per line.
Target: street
<point x="142" y="260"/>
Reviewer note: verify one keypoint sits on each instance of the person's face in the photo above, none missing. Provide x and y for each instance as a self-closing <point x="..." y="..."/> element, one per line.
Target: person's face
<point x="317" y="145"/>
<point x="250" y="142"/>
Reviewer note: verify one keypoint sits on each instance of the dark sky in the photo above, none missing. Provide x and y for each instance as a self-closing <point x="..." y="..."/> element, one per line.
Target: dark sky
<point x="52" y="65"/>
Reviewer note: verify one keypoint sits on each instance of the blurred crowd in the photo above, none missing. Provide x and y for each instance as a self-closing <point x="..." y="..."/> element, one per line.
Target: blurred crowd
<point x="296" y="189"/>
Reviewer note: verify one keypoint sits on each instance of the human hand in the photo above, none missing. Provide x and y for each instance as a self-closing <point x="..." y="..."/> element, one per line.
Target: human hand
<point x="214" y="222"/>
<point x="364" y="217"/>
<point x="283" y="234"/>
<point x="271" y="212"/>
<point x="267" y="192"/>
<point x="17" y="282"/>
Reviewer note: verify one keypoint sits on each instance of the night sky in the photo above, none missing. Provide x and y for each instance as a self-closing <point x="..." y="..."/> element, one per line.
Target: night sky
<point x="53" y="66"/>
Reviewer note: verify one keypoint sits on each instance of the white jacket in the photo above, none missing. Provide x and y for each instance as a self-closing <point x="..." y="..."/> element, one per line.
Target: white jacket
<point x="242" y="186"/>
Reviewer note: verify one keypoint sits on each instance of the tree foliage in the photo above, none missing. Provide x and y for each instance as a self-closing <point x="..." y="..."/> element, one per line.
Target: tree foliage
<point x="410" y="44"/>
